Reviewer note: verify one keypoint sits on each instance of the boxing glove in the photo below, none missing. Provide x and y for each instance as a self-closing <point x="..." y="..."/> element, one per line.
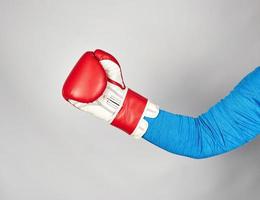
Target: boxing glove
<point x="96" y="85"/>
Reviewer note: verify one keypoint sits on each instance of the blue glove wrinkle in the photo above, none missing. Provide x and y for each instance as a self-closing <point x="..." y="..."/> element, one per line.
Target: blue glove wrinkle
<point x="229" y="124"/>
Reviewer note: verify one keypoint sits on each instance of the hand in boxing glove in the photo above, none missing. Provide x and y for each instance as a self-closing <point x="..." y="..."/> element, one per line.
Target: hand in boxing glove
<point x="96" y="85"/>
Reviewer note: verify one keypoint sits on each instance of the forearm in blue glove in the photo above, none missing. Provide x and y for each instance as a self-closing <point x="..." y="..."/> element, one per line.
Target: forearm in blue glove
<point x="229" y="124"/>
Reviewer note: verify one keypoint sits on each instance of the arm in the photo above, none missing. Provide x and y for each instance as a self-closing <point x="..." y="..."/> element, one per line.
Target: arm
<point x="230" y="123"/>
<point x="96" y="85"/>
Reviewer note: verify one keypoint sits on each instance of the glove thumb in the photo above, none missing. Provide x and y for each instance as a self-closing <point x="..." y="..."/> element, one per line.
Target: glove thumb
<point x="111" y="67"/>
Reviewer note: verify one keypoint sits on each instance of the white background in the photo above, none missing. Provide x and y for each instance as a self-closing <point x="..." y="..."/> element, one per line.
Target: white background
<point x="184" y="55"/>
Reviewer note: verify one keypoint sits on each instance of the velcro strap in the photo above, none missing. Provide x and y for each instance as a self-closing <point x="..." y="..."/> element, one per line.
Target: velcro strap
<point x="131" y="112"/>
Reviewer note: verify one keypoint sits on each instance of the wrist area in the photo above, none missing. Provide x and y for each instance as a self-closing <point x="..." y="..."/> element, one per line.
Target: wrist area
<point x="130" y="116"/>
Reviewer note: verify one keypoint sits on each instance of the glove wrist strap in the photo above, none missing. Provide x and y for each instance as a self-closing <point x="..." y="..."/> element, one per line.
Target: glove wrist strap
<point x="131" y="112"/>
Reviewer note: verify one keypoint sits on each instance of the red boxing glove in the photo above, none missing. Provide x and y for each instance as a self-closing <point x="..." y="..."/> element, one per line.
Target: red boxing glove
<point x="96" y="85"/>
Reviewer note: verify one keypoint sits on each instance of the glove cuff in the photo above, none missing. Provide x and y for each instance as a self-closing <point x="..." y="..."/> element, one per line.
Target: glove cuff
<point x="130" y="116"/>
<point x="130" y="113"/>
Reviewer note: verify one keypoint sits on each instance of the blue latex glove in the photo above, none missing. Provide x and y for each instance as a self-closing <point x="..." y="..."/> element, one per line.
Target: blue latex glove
<point x="230" y="123"/>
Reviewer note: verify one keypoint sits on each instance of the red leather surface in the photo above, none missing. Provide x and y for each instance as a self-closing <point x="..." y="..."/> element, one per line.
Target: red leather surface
<point x="87" y="81"/>
<point x="102" y="55"/>
<point x="131" y="112"/>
